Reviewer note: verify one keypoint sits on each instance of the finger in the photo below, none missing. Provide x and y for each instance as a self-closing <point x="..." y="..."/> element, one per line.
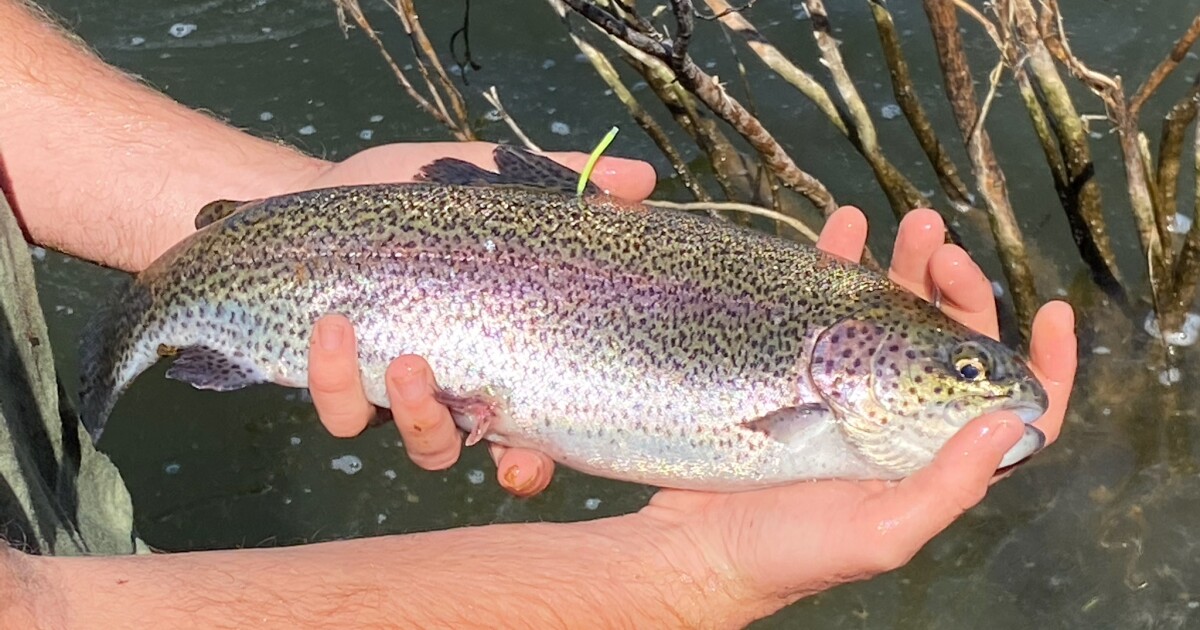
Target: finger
<point x="844" y="234"/>
<point x="921" y="233"/>
<point x="1053" y="356"/>
<point x="633" y="180"/>
<point x="334" y="379"/>
<point x="927" y="502"/>
<point x="522" y="472"/>
<point x="965" y="292"/>
<point x="430" y="436"/>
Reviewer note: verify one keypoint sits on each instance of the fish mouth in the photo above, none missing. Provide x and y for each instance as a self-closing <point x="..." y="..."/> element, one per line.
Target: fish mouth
<point x="1033" y="439"/>
<point x="1026" y="411"/>
<point x="1031" y="442"/>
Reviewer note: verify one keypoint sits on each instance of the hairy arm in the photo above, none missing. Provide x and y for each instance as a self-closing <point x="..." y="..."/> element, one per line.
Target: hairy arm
<point x="616" y="572"/>
<point x="104" y="168"/>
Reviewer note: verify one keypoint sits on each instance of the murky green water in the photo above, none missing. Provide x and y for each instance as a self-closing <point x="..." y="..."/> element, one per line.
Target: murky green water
<point x="1097" y="532"/>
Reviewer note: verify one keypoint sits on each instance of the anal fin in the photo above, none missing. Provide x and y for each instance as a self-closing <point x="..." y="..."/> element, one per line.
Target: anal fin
<point x="475" y="412"/>
<point x="791" y="423"/>
<point x="205" y="368"/>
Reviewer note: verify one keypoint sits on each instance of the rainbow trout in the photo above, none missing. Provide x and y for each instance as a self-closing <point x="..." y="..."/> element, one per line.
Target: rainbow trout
<point x="650" y="346"/>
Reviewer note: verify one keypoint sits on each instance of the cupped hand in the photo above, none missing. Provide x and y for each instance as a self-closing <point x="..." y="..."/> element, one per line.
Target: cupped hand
<point x="771" y="547"/>
<point x="430" y="436"/>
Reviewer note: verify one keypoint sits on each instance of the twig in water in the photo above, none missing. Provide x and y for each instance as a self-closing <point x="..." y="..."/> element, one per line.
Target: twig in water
<point x="458" y="126"/>
<point x="493" y="98"/>
<point x="730" y="206"/>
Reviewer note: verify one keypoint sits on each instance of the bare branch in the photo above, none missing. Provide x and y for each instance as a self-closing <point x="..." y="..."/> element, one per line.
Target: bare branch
<point x="714" y="96"/>
<point x="1165" y="67"/>
<point x="609" y="75"/>
<point x="458" y="127"/>
<point x="776" y="61"/>
<point x="492" y="96"/>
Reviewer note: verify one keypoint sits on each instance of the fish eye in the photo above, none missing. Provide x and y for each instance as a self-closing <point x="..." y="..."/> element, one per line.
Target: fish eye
<point x="971" y="369"/>
<point x="972" y="362"/>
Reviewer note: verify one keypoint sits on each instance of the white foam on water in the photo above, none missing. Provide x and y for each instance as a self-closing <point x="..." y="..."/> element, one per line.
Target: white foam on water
<point x="591" y="504"/>
<point x="1169" y="377"/>
<point x="475" y="476"/>
<point x="560" y="128"/>
<point x="308" y="130"/>
<point x="1187" y="334"/>
<point x="891" y="111"/>
<point x="349" y="464"/>
<point x="181" y="29"/>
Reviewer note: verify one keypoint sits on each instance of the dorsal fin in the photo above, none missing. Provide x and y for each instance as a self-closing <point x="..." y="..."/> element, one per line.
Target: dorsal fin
<point x="515" y="166"/>
<point x="216" y="210"/>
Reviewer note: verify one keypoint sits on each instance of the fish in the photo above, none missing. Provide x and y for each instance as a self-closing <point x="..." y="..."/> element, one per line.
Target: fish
<point x="653" y="346"/>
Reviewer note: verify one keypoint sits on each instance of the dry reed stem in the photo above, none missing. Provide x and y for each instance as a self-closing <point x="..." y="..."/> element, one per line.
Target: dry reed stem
<point x="960" y="90"/>
<point x="905" y="92"/>
<point x="1070" y="157"/>
<point x="1138" y="184"/>
<point x="1170" y="146"/>
<point x="1186" y="274"/>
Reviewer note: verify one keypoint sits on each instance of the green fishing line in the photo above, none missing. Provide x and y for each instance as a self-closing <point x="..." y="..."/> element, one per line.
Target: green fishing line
<point x="593" y="158"/>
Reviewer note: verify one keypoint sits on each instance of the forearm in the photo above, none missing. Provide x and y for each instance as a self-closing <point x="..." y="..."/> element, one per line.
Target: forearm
<point x="105" y="168"/>
<point x="616" y="572"/>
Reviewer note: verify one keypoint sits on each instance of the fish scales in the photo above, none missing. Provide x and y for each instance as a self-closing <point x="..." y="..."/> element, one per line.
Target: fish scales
<point x="641" y="345"/>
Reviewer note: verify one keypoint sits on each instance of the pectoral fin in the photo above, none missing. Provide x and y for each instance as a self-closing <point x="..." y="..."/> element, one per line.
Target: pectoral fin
<point x="515" y="166"/>
<point x="206" y="368"/>
<point x="791" y="423"/>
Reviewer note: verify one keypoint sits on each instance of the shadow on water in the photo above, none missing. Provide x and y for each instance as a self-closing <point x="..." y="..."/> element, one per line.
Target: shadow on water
<point x="1095" y="532"/>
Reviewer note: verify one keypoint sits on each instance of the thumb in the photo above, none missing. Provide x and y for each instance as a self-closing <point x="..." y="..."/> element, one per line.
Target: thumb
<point x="932" y="498"/>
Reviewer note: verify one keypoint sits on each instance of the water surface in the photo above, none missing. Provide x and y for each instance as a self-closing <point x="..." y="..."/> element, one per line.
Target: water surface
<point x="1096" y="532"/>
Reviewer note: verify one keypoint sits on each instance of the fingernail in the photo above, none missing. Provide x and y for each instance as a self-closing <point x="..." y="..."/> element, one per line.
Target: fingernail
<point x="410" y="384"/>
<point x="330" y="335"/>
<point x="521" y="480"/>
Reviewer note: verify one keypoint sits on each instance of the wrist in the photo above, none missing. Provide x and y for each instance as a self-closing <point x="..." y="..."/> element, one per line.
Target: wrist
<point x="703" y="586"/>
<point x="27" y="594"/>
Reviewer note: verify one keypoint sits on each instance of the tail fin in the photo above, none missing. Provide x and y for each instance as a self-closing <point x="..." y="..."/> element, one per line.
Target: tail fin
<point x="109" y="355"/>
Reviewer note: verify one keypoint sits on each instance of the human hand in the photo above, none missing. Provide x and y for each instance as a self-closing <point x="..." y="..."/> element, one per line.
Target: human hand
<point x="430" y="436"/>
<point x="774" y="546"/>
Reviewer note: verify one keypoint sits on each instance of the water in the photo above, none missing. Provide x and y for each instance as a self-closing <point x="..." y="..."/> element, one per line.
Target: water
<point x="1096" y="532"/>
